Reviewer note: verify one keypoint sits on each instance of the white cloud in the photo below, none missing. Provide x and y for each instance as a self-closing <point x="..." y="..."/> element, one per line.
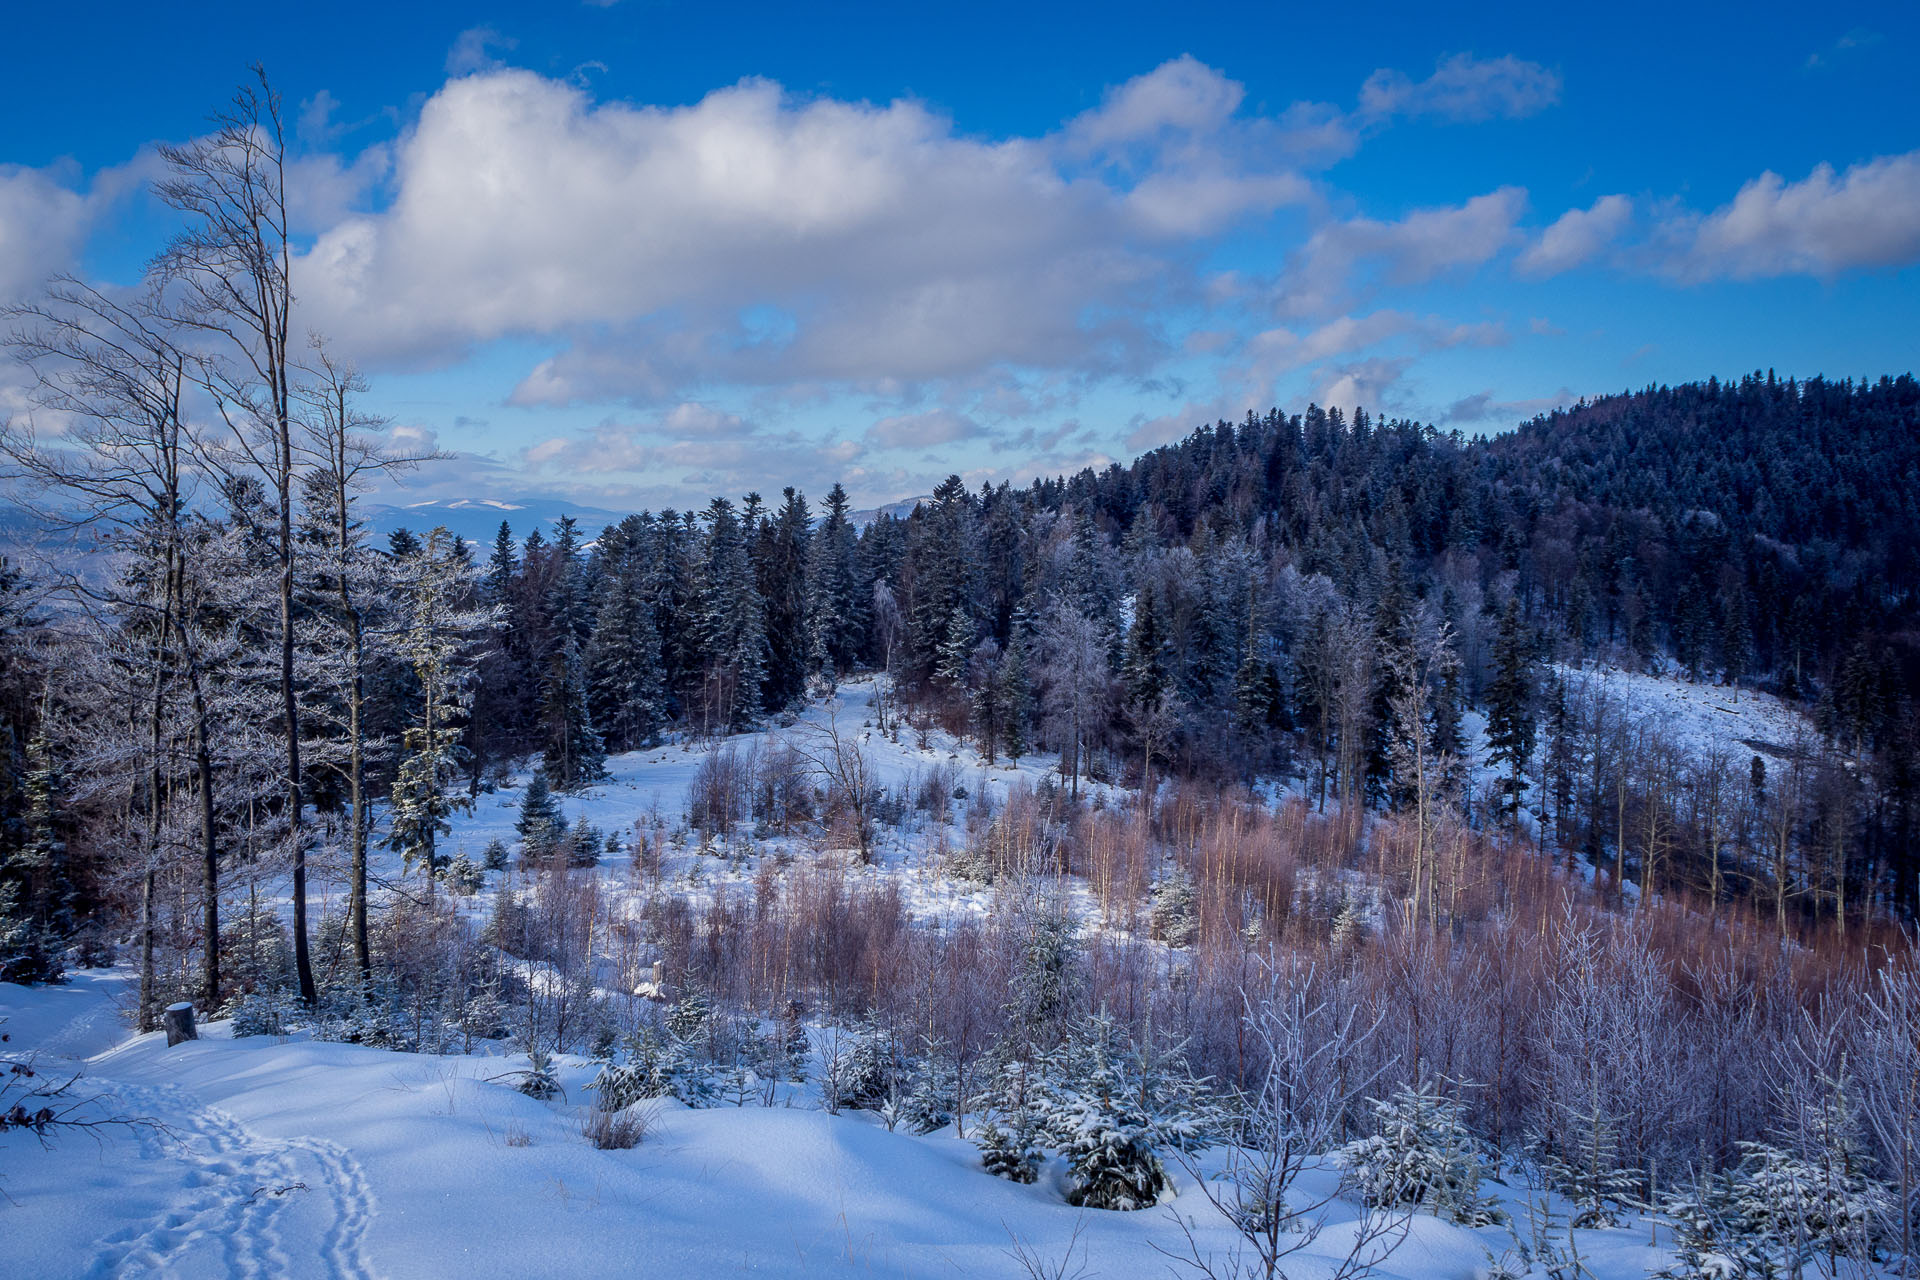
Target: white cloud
<point x="1866" y="217"/>
<point x="1576" y="237"/>
<point x="43" y="223"/>
<point x="1408" y="251"/>
<point x="899" y="248"/>
<point x="473" y="51"/>
<point x="922" y="430"/>
<point x="1463" y="88"/>
<point x="1367" y="384"/>
<point x="1183" y="95"/>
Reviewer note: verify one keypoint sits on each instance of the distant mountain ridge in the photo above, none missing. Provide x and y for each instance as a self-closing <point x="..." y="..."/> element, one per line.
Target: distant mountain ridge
<point x="478" y="519"/>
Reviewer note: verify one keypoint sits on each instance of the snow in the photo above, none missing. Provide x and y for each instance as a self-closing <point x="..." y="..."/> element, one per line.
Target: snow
<point x="294" y="1157"/>
<point x="649" y="788"/>
<point x="1697" y="718"/>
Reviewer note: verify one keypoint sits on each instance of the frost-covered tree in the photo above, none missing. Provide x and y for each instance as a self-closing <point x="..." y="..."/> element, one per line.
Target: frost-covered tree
<point x="729" y="623"/>
<point x="1049" y="976"/>
<point x="441" y="627"/>
<point x="1004" y="1155"/>
<point x="1107" y="1137"/>
<point x="1423" y="1154"/>
<point x="573" y="755"/>
<point x="1172" y="914"/>
<point x="836" y="602"/>
<point x="625" y="683"/>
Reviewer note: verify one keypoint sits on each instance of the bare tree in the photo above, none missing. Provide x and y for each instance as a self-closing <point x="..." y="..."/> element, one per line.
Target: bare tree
<point x="349" y="459"/>
<point x="1309" y="1077"/>
<point x="1888" y="1063"/>
<point x="835" y="756"/>
<point x="1416" y="673"/>
<point x="889" y="625"/>
<point x="122" y="470"/>
<point x="230" y="272"/>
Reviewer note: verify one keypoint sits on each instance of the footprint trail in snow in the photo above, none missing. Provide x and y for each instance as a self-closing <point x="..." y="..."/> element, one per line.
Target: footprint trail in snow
<point x="250" y="1205"/>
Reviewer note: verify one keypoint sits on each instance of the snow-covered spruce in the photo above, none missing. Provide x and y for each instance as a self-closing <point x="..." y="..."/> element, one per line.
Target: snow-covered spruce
<point x="1423" y="1155"/>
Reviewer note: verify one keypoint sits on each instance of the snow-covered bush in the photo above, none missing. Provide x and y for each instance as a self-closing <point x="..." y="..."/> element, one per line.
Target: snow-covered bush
<point x="1173" y="918"/>
<point x="539" y="1080"/>
<point x="1107" y="1141"/>
<point x="464" y="876"/>
<point x="656" y="1063"/>
<point x="261" y="1013"/>
<point x="583" y="845"/>
<point x="494" y="857"/>
<point x="256" y="950"/>
<point x="1004" y="1155"/>
<point x="1421" y="1154"/>
<point x="1110" y="1105"/>
<point x="863" y="1067"/>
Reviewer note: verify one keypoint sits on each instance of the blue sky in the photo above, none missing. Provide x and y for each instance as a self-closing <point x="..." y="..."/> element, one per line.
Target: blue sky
<point x="638" y="253"/>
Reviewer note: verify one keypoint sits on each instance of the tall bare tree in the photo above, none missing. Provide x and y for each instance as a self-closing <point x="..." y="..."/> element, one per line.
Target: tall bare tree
<point x="230" y="275"/>
<point x="348" y="459"/>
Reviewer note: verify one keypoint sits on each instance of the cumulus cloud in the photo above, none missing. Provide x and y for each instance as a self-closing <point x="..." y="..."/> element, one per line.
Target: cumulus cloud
<point x="922" y="430"/>
<point x="1862" y="218"/>
<point x="900" y="248"/>
<point x="1463" y="88"/>
<point x="1576" y="237"/>
<point x="1183" y="96"/>
<point x="473" y="51"/>
<point x="1365" y="384"/>
<point x="43" y="223"/>
<point x="1407" y="251"/>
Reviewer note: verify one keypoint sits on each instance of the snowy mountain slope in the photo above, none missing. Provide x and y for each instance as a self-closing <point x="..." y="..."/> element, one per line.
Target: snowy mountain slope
<point x="1697" y="718"/>
<point x="329" y="1160"/>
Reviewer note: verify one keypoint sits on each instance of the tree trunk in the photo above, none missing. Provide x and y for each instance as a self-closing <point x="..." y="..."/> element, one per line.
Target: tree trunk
<point x="178" y="1021"/>
<point x="147" y="888"/>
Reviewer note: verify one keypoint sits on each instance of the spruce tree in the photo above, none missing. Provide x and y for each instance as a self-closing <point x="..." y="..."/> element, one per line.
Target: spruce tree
<point x="541" y="825"/>
<point x="782" y="560"/>
<point x="36" y="898"/>
<point x="1147" y="655"/>
<point x="625" y="693"/>
<point x="730" y="624"/>
<point x="1011" y="693"/>
<point x="1510" y="722"/>
<point x="836" y="605"/>
<point x="573" y="756"/>
<point x="437" y="645"/>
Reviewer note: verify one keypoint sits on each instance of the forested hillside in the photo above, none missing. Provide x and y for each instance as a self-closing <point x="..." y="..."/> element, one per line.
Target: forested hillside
<point x="1306" y="596"/>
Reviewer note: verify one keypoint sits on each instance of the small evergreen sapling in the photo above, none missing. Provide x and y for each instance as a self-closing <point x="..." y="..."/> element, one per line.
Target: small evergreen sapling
<point x="1004" y="1155"/>
<point x="1173" y="919"/>
<point x="1422" y="1154"/>
<point x="541" y="824"/>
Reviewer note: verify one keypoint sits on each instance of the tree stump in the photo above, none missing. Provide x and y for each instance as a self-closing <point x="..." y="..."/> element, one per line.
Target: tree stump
<point x="178" y="1020"/>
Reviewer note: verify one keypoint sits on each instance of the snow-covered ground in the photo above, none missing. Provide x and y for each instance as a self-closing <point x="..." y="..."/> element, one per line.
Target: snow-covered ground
<point x="1696" y="718"/>
<point x="295" y="1158"/>
<point x="649" y="790"/>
